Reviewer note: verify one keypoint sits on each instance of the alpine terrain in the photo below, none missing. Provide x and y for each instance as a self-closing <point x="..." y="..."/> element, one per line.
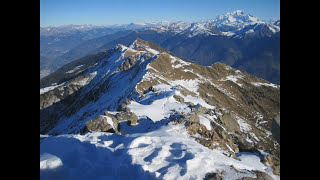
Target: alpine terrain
<point x="237" y="39"/>
<point x="143" y="112"/>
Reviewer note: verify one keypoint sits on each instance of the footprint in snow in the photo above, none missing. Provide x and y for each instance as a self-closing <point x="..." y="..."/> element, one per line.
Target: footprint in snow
<point x="179" y="157"/>
<point x="152" y="155"/>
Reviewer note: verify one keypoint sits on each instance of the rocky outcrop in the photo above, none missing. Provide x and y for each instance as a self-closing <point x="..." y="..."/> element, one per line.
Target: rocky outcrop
<point x="276" y="128"/>
<point x="274" y="161"/>
<point x="257" y="175"/>
<point x="109" y="122"/>
<point x="131" y="61"/>
<point x="129" y="116"/>
<point x="62" y="91"/>
<point x="193" y="118"/>
<point x="241" y="120"/>
<point x="230" y="123"/>
<point x="102" y="124"/>
<point x="178" y="98"/>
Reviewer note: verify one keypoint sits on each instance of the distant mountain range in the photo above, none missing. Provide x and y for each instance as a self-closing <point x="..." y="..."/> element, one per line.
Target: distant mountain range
<point x="236" y="39"/>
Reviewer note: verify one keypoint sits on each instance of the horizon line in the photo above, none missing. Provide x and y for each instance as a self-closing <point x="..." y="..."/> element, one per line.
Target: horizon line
<point x="203" y="19"/>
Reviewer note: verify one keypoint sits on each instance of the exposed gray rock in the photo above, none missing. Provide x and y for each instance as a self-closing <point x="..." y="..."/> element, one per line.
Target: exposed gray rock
<point x="151" y="88"/>
<point x="193" y="128"/>
<point x="274" y="161"/>
<point x="230" y="123"/>
<point x="130" y="62"/>
<point x="242" y="143"/>
<point x="124" y="106"/>
<point x="260" y="176"/>
<point x="213" y="176"/>
<point x="99" y="124"/>
<point x="179" y="98"/>
<point x="130" y="116"/>
<point x="276" y="128"/>
<point x="116" y="124"/>
<point x="190" y="104"/>
<point x="193" y="117"/>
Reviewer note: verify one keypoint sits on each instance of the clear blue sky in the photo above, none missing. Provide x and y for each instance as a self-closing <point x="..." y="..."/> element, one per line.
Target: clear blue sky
<point x="108" y="12"/>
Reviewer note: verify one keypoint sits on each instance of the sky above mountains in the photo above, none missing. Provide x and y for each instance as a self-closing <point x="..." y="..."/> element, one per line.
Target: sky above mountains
<point x="109" y="12"/>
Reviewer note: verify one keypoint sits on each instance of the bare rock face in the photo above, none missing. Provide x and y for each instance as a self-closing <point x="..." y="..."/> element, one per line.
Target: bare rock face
<point x="213" y="176"/>
<point x="179" y="98"/>
<point x="130" y="116"/>
<point x="259" y="176"/>
<point x="274" y="161"/>
<point x="99" y="124"/>
<point x="193" y="128"/>
<point x="230" y="123"/>
<point x="193" y="117"/>
<point x="276" y="128"/>
<point x="130" y="62"/>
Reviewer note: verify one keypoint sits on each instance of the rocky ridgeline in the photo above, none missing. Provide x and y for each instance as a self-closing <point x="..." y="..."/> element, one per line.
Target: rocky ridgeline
<point x="239" y="107"/>
<point x="220" y="137"/>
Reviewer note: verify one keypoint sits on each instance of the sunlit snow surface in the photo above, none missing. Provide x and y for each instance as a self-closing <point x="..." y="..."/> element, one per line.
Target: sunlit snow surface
<point x="166" y="152"/>
<point x="159" y="105"/>
<point x="152" y="149"/>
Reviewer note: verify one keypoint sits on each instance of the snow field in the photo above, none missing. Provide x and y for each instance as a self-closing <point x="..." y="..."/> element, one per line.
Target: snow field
<point x="166" y="153"/>
<point x="151" y="149"/>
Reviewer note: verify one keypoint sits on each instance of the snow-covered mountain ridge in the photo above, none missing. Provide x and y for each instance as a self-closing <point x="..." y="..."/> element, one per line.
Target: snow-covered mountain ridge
<point x="230" y="24"/>
<point x="186" y="114"/>
<point x="205" y="42"/>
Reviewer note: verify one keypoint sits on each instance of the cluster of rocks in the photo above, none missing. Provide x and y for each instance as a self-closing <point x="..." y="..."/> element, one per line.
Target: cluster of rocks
<point x="130" y="62"/>
<point x="215" y="138"/>
<point x="258" y="175"/>
<point x="101" y="124"/>
<point x="225" y="133"/>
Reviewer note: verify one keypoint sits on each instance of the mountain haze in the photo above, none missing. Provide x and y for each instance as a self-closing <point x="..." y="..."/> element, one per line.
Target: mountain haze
<point x="236" y="39"/>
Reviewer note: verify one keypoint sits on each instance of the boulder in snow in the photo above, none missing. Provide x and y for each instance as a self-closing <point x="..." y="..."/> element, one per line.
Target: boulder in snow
<point x="130" y="116"/>
<point x="100" y="124"/>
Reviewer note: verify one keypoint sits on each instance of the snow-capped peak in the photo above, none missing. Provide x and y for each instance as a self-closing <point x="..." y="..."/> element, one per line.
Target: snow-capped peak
<point x="120" y="47"/>
<point x="229" y="24"/>
<point x="237" y="19"/>
<point x="141" y="45"/>
<point x="200" y="28"/>
<point x="238" y="12"/>
<point x="138" y="45"/>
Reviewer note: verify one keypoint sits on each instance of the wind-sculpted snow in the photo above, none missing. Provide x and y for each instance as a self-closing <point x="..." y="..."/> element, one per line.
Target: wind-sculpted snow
<point x="165" y="153"/>
<point x="158" y="105"/>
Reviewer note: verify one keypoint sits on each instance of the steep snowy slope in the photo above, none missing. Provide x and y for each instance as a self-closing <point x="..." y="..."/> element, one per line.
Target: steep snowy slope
<point x="191" y="120"/>
<point x="102" y="87"/>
